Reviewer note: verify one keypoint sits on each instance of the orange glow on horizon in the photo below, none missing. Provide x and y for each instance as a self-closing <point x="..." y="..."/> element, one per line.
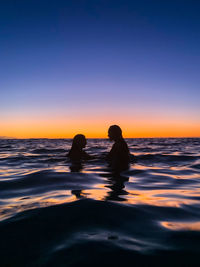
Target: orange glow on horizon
<point x="67" y="128"/>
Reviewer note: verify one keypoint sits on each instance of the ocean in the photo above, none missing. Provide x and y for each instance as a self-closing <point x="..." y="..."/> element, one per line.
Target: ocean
<point x="53" y="215"/>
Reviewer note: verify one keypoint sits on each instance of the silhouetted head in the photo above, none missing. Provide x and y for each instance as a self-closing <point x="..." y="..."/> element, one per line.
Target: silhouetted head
<point x="114" y="132"/>
<point x="79" y="141"/>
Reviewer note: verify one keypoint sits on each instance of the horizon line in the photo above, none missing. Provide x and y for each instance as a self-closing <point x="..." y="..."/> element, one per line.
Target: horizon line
<point x="153" y="137"/>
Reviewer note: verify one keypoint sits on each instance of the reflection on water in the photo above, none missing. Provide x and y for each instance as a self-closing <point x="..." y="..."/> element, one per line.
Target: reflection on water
<point x="116" y="183"/>
<point x="191" y="226"/>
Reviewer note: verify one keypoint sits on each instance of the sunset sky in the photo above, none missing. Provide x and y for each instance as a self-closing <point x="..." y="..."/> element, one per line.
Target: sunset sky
<point x="69" y="67"/>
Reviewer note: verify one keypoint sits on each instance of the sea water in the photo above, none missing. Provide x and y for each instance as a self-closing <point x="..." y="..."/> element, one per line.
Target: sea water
<point x="53" y="215"/>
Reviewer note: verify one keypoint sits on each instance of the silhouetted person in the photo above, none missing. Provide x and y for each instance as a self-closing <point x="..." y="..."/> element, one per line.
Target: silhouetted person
<point x="76" y="153"/>
<point x="118" y="157"/>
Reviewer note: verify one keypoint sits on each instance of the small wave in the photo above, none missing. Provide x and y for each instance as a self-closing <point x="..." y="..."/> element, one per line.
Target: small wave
<point x="48" y="151"/>
<point x="195" y="166"/>
<point x="164" y="158"/>
<point x="15" y="158"/>
<point x="47" y="180"/>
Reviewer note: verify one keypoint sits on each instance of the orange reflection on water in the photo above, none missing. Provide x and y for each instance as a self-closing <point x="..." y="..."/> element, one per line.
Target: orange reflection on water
<point x="165" y="198"/>
<point x="192" y="226"/>
<point x="17" y="205"/>
<point x="97" y="194"/>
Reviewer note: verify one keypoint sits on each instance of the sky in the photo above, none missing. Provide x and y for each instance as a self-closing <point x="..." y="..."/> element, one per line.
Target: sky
<point x="79" y="66"/>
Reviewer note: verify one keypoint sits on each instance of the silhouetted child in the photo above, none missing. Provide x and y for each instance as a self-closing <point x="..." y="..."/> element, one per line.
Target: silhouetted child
<point x="118" y="157"/>
<point x="76" y="153"/>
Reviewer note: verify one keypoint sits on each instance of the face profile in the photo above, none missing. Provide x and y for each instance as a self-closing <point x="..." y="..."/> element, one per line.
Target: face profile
<point x="114" y="132"/>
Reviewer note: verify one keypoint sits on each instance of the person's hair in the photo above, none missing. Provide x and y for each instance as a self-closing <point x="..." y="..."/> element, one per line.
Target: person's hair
<point x="116" y="130"/>
<point x="78" y="139"/>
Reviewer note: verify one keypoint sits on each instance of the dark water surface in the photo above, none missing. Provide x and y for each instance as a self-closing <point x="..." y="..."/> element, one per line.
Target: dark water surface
<point x="50" y="216"/>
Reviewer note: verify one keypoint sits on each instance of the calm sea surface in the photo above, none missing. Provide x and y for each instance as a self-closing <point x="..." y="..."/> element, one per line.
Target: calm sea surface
<point x="51" y="216"/>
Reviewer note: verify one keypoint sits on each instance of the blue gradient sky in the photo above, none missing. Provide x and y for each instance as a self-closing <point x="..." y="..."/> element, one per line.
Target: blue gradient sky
<point x="128" y="62"/>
